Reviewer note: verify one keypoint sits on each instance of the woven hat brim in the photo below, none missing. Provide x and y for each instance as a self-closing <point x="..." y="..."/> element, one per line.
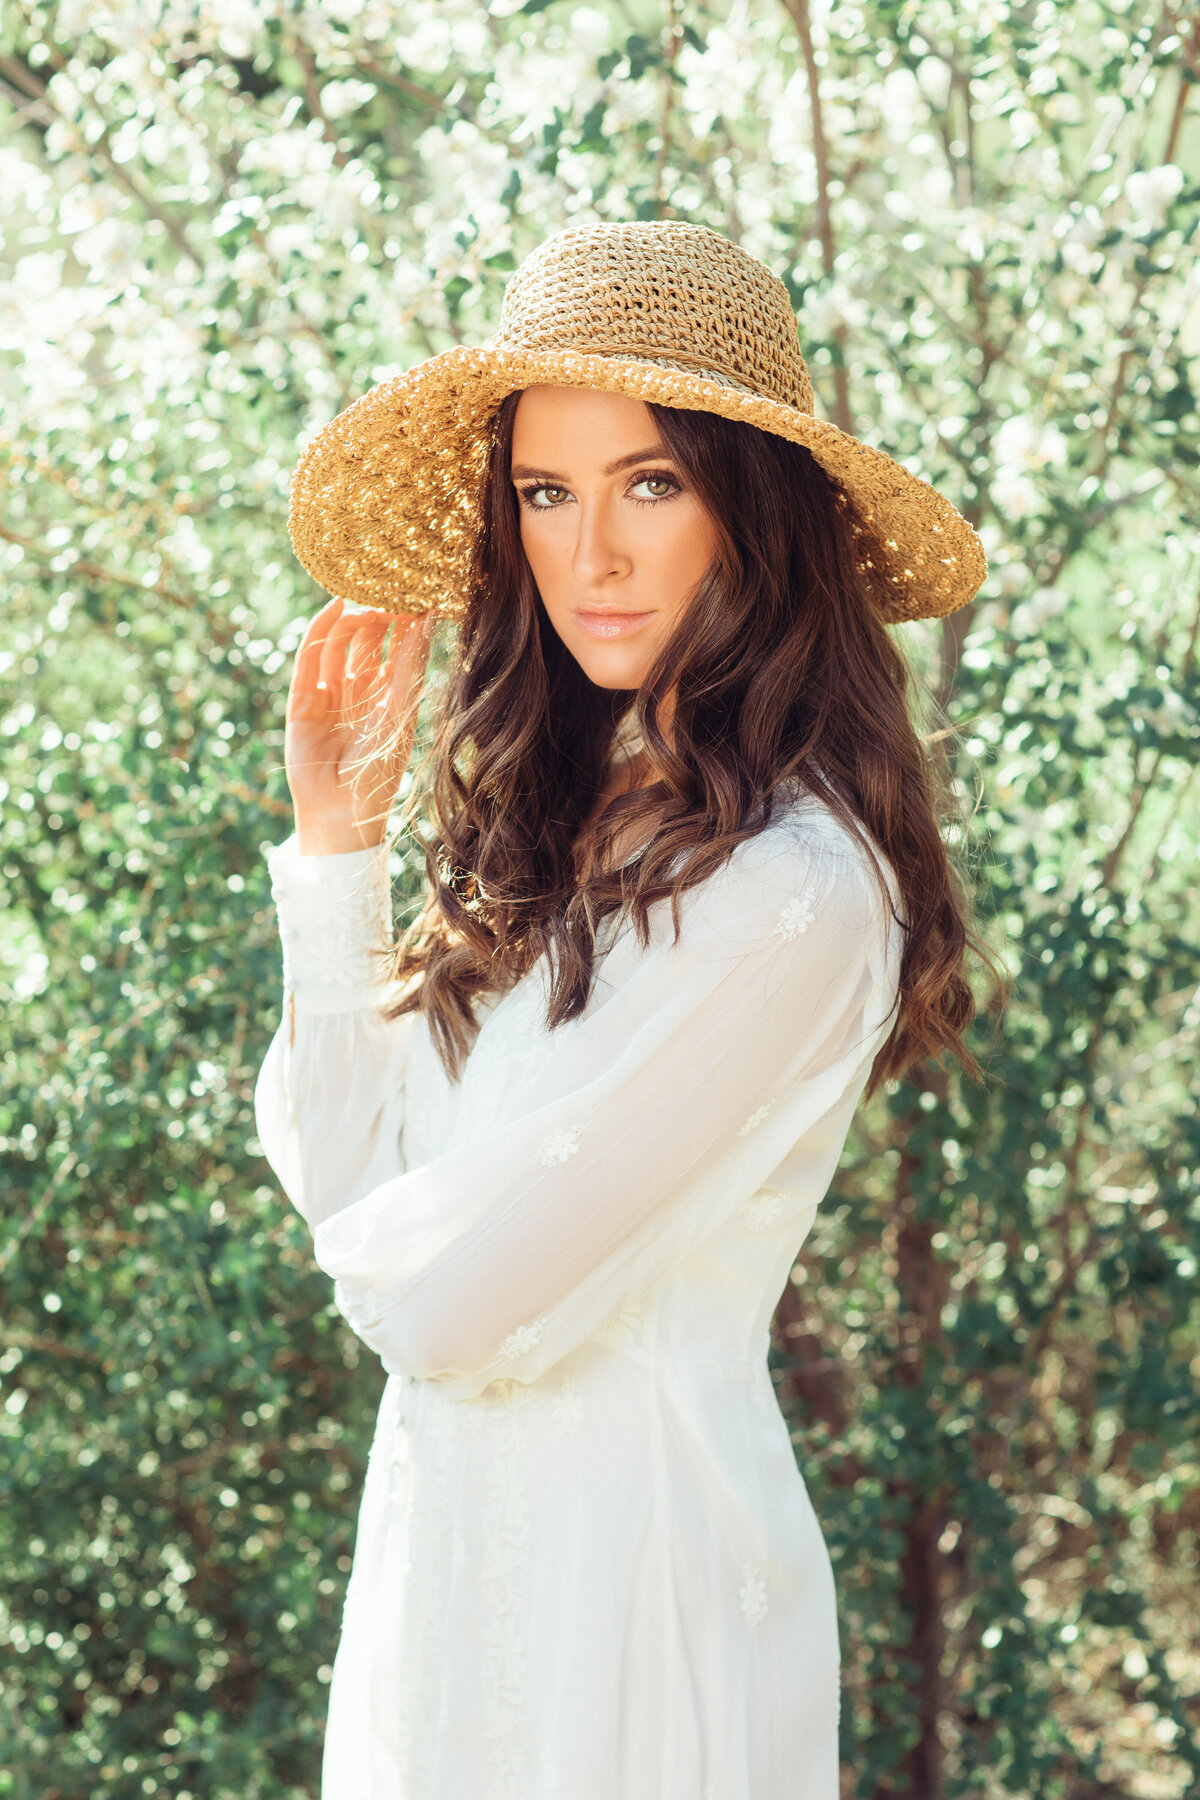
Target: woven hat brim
<point x="385" y="501"/>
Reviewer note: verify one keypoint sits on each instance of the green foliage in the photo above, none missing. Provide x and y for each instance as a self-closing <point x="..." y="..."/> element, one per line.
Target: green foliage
<point x="221" y="225"/>
<point x="180" y="1475"/>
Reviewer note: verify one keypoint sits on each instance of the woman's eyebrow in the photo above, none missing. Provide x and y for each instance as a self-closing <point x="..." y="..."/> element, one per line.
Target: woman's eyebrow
<point x="522" y="471"/>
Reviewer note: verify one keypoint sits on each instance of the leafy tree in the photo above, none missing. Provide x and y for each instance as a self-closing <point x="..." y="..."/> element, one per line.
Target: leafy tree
<point x="222" y="224"/>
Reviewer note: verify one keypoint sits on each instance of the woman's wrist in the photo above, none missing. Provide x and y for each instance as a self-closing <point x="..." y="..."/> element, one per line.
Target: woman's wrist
<point x="338" y="835"/>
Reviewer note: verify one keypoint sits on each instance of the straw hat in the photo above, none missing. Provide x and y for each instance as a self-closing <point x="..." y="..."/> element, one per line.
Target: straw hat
<point x="385" y="501"/>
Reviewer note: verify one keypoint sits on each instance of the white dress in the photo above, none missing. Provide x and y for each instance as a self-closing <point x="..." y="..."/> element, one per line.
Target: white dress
<point x="587" y="1567"/>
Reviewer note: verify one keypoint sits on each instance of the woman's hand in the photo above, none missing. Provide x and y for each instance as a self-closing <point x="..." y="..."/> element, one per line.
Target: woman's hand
<point x="351" y="719"/>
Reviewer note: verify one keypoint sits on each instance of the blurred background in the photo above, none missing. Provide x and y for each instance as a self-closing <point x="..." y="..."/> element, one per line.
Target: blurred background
<point x="223" y="220"/>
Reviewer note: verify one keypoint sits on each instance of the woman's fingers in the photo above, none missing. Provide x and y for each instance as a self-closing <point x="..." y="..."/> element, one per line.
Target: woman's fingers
<point x="413" y="632"/>
<point x="332" y="667"/>
<point x="363" y="646"/>
<point x="306" y="669"/>
<point x="358" y="701"/>
<point x="404" y="671"/>
<point x="407" y="654"/>
<point x="364" y="672"/>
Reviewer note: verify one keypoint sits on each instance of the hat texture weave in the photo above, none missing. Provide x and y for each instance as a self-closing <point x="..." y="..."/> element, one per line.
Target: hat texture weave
<point x="385" y="502"/>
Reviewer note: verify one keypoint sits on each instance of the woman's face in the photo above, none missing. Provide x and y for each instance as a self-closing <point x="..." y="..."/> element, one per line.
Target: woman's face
<point x="616" y="541"/>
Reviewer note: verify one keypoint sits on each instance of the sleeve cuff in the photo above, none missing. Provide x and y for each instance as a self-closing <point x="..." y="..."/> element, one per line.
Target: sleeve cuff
<point x="335" y="925"/>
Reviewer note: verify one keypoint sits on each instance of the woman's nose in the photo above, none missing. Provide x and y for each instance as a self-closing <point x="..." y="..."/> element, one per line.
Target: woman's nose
<point x="599" y="554"/>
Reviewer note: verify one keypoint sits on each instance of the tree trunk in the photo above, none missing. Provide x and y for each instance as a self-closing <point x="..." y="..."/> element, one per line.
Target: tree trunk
<point x="921" y="1279"/>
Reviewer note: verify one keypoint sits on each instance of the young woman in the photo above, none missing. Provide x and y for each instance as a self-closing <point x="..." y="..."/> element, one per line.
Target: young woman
<point x="687" y="898"/>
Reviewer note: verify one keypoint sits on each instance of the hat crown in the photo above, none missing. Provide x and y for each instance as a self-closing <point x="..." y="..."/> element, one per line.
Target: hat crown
<point x="661" y="292"/>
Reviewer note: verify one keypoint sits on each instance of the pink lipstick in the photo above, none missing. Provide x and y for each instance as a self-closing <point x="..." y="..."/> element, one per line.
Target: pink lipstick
<point x="604" y="624"/>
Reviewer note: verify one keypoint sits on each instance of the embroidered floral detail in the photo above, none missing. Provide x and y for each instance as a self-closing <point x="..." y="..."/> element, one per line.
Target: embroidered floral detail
<point x="505" y="1650"/>
<point x="558" y="1147"/>
<point x="344" y="957"/>
<point x="620" y="1328"/>
<point x="568" y="1407"/>
<point x="762" y="1209"/>
<point x="336" y="943"/>
<point x="796" y="917"/>
<point x="753" y="1596"/>
<point x="755" y="1120"/>
<point x="430" y="1525"/>
<point x="502" y="1587"/>
<point x="521" y="1341"/>
<point x="390" y="1441"/>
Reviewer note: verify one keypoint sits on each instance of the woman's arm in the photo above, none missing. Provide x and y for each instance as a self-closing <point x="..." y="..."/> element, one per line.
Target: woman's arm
<point x="661" y="1112"/>
<point x="330" y="1095"/>
<point x="329" y="1099"/>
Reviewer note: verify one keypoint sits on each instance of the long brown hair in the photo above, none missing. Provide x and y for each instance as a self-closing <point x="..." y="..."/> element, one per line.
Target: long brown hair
<point x="781" y="672"/>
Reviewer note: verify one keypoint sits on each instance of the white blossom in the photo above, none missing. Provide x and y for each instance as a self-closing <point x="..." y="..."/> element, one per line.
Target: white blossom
<point x="1150" y="192"/>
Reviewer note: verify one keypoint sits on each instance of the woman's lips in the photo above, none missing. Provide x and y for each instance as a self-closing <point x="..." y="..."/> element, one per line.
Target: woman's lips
<point x="609" y="624"/>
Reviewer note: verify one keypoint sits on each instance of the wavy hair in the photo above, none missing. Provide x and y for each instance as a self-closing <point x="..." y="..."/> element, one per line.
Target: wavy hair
<point x="781" y="671"/>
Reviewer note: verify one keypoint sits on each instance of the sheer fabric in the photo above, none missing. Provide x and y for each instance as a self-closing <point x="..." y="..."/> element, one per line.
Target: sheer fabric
<point x="587" y="1567"/>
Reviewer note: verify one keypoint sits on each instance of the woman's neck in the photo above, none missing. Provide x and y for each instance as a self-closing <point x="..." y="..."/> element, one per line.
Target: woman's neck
<point x="629" y="768"/>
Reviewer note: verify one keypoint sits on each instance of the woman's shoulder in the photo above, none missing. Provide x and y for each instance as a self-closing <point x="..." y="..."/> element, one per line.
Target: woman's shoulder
<point x="803" y="860"/>
<point x="805" y="839"/>
<point x="804" y="883"/>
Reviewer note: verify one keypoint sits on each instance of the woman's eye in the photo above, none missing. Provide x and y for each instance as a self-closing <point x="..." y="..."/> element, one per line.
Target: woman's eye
<point x="546" y="496"/>
<point x="657" y="487"/>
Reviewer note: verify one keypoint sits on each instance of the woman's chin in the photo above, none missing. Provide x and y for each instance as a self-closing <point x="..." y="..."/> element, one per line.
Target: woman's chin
<point x="613" y="665"/>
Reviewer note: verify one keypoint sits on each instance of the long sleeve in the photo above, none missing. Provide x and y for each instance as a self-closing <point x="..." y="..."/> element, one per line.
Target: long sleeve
<point x="329" y="1101"/>
<point x="669" y="1102"/>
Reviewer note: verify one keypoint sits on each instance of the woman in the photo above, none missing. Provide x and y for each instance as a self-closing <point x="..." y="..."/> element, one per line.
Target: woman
<point x="687" y="899"/>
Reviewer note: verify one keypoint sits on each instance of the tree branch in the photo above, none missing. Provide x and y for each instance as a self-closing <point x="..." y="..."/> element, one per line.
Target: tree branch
<point x="312" y="94"/>
<point x="17" y="75"/>
<point x="798" y="13"/>
<point x="92" y="571"/>
<point x="674" y="40"/>
<point x="377" y="72"/>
